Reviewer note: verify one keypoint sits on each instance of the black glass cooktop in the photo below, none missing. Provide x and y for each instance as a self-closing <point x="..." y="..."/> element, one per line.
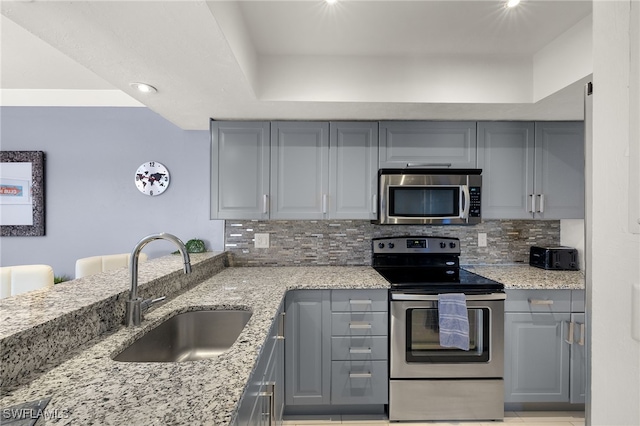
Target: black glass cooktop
<point x="456" y="279"/>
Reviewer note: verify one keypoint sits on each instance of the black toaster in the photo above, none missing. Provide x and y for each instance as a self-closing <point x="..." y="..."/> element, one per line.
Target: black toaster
<point x="557" y="258"/>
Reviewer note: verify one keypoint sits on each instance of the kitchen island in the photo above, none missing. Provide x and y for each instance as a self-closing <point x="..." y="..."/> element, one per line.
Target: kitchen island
<point x="91" y="388"/>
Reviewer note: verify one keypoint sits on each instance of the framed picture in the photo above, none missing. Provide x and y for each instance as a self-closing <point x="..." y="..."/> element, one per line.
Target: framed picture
<point x="21" y="193"/>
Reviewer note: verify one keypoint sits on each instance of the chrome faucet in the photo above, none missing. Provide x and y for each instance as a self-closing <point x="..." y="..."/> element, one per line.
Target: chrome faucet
<point x="136" y="306"/>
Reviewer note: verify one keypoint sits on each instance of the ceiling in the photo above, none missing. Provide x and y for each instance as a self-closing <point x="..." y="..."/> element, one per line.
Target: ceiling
<point x="292" y="59"/>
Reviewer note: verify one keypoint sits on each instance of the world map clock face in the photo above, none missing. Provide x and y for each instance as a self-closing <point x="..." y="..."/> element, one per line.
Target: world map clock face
<point x="152" y="178"/>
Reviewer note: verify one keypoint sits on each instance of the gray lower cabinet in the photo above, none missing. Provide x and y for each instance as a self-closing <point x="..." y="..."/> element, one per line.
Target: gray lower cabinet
<point x="544" y="361"/>
<point x="308" y="347"/>
<point x="262" y="402"/>
<point x="359" y="342"/>
<point x="532" y="170"/>
<point x="336" y="350"/>
<point x="428" y="144"/>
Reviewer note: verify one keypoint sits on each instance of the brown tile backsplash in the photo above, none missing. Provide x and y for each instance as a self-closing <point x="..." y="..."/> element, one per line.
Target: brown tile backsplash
<point x="348" y="242"/>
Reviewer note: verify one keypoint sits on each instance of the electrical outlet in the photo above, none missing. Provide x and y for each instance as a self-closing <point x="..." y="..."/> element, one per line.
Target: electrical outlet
<point x="482" y="239"/>
<point x="261" y="240"/>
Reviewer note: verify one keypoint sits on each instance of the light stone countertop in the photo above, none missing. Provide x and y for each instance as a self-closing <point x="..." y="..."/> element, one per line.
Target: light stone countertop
<point x="527" y="277"/>
<point x="91" y="388"/>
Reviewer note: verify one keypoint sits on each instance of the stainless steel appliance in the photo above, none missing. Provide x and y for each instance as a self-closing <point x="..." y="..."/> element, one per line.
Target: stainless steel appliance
<point x="429" y="196"/>
<point x="429" y="381"/>
<point x="558" y="258"/>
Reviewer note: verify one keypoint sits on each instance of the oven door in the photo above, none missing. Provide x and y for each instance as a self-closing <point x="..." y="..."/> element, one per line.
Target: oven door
<point x="415" y="351"/>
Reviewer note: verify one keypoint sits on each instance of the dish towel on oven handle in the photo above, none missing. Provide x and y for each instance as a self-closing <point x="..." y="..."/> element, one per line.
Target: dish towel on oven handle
<point x="453" y="321"/>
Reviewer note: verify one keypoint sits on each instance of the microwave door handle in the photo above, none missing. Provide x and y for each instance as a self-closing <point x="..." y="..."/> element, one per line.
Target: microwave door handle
<point x="464" y="196"/>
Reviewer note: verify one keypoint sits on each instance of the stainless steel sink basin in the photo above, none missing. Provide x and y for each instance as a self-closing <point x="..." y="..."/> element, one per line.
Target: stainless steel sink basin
<point x="189" y="336"/>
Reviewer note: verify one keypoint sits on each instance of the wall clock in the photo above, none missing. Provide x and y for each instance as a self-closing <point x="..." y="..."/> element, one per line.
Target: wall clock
<point x="152" y="178"/>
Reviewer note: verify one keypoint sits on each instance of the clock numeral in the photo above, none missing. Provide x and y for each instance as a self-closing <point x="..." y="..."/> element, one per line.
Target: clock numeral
<point x="150" y="192"/>
<point x="152" y="164"/>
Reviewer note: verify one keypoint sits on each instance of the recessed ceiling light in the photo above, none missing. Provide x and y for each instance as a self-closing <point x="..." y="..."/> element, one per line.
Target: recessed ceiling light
<point x="511" y="3"/>
<point x="331" y="1"/>
<point x="143" y="87"/>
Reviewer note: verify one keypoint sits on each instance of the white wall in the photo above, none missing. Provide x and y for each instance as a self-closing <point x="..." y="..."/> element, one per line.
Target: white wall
<point x="572" y="235"/>
<point x="563" y="61"/>
<point x="92" y="206"/>
<point x="613" y="253"/>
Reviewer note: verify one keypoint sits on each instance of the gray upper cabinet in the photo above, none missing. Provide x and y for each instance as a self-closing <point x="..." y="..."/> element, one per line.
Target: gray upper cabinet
<point x="532" y="170"/>
<point x="506" y="157"/>
<point x="427" y="144"/>
<point x="299" y="170"/>
<point x="353" y="170"/>
<point x="239" y="170"/>
<point x="559" y="179"/>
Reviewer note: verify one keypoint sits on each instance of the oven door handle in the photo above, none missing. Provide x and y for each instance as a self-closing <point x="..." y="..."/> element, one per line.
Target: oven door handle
<point x="434" y="297"/>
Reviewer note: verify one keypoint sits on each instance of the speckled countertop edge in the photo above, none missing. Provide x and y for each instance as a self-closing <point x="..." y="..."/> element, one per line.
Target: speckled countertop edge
<point x="91" y="388"/>
<point x="527" y="277"/>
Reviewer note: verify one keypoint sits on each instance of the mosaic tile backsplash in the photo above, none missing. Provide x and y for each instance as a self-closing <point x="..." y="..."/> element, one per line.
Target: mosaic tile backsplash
<point x="348" y="242"/>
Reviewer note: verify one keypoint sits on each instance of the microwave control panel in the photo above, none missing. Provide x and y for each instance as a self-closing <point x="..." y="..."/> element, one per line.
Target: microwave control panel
<point x="475" y="201"/>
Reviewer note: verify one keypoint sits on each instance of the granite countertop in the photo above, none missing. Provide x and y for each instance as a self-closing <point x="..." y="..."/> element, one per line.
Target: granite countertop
<point x="91" y="388"/>
<point x="527" y="277"/>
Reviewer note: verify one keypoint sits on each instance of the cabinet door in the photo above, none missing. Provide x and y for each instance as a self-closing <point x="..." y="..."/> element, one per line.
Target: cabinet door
<point x="240" y="170"/>
<point x="308" y="347"/>
<point x="536" y="357"/>
<point x="559" y="176"/>
<point x="299" y="170"/>
<point x="353" y="170"/>
<point x="578" y="379"/>
<point x="428" y="144"/>
<point x="506" y="157"/>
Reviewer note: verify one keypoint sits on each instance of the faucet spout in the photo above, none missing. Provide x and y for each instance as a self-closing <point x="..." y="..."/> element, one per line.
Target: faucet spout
<point x="135" y="304"/>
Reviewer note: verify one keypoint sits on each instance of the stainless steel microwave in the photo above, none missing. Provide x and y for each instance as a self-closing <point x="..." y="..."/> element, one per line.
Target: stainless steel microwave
<point x="429" y="196"/>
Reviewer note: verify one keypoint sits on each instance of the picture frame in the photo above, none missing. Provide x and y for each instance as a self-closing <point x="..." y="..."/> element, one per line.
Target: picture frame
<point x="22" y="207"/>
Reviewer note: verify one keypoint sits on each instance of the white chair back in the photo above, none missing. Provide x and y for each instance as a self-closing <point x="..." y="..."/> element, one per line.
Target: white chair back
<point x="96" y="264"/>
<point x="20" y="279"/>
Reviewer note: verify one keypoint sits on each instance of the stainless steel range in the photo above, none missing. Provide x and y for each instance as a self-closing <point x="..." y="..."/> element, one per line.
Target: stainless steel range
<point x="429" y="381"/>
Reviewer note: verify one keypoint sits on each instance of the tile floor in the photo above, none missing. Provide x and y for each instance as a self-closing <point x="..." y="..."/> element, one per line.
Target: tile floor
<point x="512" y="418"/>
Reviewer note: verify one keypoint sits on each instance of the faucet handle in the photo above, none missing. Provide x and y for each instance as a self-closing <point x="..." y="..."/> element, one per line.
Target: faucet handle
<point x="146" y="304"/>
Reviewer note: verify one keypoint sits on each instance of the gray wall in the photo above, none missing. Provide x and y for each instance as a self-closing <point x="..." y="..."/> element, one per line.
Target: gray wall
<point x="92" y="206"/>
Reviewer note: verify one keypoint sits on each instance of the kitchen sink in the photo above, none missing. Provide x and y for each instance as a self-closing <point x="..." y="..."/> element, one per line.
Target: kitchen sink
<point x="190" y="336"/>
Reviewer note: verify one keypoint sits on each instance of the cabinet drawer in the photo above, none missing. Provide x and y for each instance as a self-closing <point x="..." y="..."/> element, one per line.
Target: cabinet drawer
<point x="359" y="348"/>
<point x="359" y="382"/>
<point x="538" y="301"/>
<point x="359" y="300"/>
<point x="359" y="323"/>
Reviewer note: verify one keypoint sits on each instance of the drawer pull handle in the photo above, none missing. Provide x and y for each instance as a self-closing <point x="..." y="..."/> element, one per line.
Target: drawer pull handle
<point x="360" y="302"/>
<point x="359" y="350"/>
<point x="581" y="341"/>
<point x="540" y="302"/>
<point x="359" y="375"/>
<point x="359" y="324"/>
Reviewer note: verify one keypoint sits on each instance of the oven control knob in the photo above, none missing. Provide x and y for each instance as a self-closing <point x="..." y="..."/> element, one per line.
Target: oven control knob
<point x="391" y="245"/>
<point x="452" y="245"/>
<point x="443" y="245"/>
<point x="381" y="245"/>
